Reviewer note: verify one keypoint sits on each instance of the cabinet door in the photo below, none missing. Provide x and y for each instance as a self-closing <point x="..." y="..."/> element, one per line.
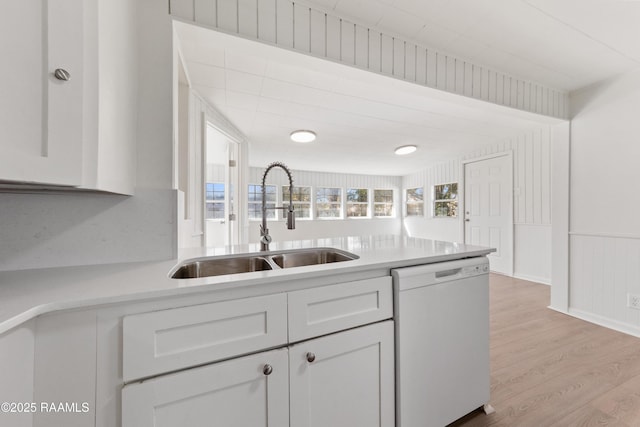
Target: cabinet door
<point x="40" y="115"/>
<point x="234" y="393"/>
<point x="345" y="379"/>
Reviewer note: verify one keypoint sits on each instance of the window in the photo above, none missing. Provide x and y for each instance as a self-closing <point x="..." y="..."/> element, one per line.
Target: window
<point x="445" y="200"/>
<point x="357" y="202"/>
<point x="328" y="202"/>
<point x="415" y="201"/>
<point x="255" y="201"/>
<point x="382" y="203"/>
<point x="214" y="200"/>
<point x="301" y="199"/>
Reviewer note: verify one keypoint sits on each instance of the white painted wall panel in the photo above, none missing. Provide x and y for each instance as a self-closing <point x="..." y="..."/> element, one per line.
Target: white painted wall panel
<point x="399" y="58"/>
<point x="297" y="25"/>
<point x="361" y="46"/>
<point x="205" y="12"/>
<point x="432" y="68"/>
<point x="284" y="23"/>
<point x="531" y="202"/>
<point x="183" y="9"/>
<point x="248" y="18"/>
<point x="334" y="26"/>
<point x="348" y="42"/>
<point x="421" y="65"/>
<point x="267" y="17"/>
<point x="605" y="204"/>
<point x="386" y="54"/>
<point x="227" y="13"/>
<point x="410" y="66"/>
<point x="301" y="28"/>
<point x="375" y="51"/>
<point x="318" y="33"/>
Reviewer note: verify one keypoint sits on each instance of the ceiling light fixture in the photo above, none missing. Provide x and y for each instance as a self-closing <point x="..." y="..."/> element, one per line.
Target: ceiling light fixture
<point x="303" y="136"/>
<point x="405" y="149"/>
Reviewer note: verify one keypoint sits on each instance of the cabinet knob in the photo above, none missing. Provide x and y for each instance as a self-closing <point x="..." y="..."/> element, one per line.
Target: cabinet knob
<point x="267" y="370"/>
<point x="311" y="357"/>
<point x="62" y="74"/>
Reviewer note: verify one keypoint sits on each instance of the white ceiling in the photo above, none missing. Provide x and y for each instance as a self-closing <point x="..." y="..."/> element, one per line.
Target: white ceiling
<point x="564" y="44"/>
<point x="359" y="116"/>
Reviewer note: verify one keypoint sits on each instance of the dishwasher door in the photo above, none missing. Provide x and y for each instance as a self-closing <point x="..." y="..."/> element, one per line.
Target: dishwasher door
<point x="442" y="341"/>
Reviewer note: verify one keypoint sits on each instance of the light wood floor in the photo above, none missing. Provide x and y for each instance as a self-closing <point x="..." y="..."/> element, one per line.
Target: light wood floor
<point x="549" y="369"/>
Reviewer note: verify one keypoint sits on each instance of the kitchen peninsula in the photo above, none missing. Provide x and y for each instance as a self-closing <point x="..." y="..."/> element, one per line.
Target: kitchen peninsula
<point x="122" y="335"/>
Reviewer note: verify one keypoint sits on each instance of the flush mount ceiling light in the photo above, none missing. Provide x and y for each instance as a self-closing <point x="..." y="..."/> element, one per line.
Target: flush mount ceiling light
<point x="303" y="136"/>
<point x="405" y="149"/>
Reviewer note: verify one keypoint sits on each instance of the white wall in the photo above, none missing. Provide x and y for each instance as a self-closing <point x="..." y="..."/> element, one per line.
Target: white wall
<point x="319" y="228"/>
<point x="605" y="202"/>
<point x="52" y="229"/>
<point x="531" y="201"/>
<point x="427" y="226"/>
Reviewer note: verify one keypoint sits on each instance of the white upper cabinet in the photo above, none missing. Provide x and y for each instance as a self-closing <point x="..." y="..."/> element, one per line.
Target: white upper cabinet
<point x="75" y="127"/>
<point x="41" y="115"/>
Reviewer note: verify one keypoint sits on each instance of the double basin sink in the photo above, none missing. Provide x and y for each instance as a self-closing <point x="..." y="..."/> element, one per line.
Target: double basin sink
<point x="245" y="263"/>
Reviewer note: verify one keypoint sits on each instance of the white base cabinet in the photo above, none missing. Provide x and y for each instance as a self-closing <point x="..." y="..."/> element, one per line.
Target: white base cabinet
<point x="247" y="391"/>
<point x="345" y="379"/>
<point x="342" y="375"/>
<point x="340" y="380"/>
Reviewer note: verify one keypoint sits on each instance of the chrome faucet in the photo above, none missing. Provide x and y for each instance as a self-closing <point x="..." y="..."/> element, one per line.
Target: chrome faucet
<point x="265" y="238"/>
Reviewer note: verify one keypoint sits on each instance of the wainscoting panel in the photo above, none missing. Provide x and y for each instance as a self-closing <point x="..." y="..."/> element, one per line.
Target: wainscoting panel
<point x="604" y="270"/>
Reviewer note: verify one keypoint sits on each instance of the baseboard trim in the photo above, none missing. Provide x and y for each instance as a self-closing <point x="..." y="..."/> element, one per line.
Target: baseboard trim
<point x="603" y="321"/>
<point x="540" y="280"/>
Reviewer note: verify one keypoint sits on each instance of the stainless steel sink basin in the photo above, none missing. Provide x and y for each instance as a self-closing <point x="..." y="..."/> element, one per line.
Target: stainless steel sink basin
<point x="311" y="257"/>
<point x="246" y="263"/>
<point x="218" y="266"/>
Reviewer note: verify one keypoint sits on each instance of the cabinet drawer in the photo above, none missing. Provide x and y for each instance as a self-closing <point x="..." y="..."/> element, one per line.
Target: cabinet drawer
<point x="173" y="339"/>
<point x="319" y="311"/>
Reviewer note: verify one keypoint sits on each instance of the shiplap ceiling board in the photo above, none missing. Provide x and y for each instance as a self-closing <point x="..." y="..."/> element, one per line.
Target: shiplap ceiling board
<point x="359" y="116"/>
<point x="565" y="44"/>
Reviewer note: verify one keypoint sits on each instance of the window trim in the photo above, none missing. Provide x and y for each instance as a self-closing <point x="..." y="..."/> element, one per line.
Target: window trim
<point x="367" y="203"/>
<point x="406" y="202"/>
<point x="285" y="202"/>
<point x="393" y="204"/>
<point x="434" y="201"/>
<point x="341" y="208"/>
<point x="223" y="202"/>
<point x="276" y="218"/>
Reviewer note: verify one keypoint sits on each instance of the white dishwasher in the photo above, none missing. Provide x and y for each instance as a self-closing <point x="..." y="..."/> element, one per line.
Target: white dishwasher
<point x="442" y="341"/>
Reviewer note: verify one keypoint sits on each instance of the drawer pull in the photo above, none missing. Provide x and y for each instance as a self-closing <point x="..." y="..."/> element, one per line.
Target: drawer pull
<point x="267" y="370"/>
<point x="311" y="357"/>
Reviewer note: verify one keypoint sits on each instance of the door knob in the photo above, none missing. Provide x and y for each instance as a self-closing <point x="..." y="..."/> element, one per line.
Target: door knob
<point x="267" y="370"/>
<point x="311" y="357"/>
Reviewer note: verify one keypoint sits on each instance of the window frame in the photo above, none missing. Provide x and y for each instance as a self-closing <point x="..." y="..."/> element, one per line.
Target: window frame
<point x="347" y="203"/>
<point x="340" y="203"/>
<point x="374" y="203"/>
<point x="450" y="200"/>
<point x="285" y="201"/>
<point x="407" y="202"/>
<point x="259" y="203"/>
<point x="214" y="201"/>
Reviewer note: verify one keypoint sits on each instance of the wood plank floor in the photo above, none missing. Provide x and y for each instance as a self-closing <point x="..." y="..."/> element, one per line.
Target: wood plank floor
<point x="549" y="369"/>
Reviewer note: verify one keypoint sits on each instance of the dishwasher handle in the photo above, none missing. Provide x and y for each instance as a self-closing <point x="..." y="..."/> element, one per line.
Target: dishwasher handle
<point x="447" y="273"/>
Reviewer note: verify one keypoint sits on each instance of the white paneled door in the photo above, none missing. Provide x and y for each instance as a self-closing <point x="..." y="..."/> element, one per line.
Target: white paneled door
<point x="488" y="208"/>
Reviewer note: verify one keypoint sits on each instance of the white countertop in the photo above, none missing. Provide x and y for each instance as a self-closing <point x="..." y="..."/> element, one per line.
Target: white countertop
<point x="25" y="294"/>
